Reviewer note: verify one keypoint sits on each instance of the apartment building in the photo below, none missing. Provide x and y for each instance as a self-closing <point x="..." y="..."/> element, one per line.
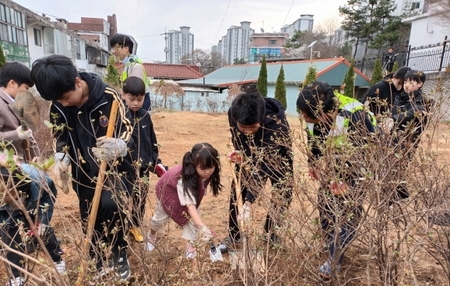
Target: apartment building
<point x="304" y="23"/>
<point x="234" y="46"/>
<point x="179" y="44"/>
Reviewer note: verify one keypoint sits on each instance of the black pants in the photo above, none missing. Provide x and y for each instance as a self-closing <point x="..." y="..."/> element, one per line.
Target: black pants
<point x="110" y="222"/>
<point x="278" y="205"/>
<point x="11" y="237"/>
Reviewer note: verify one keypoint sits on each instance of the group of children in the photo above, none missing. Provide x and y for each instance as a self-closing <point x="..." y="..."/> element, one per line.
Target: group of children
<point x="80" y="111"/>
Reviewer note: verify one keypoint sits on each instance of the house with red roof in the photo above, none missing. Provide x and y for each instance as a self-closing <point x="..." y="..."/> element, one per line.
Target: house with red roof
<point x="173" y="72"/>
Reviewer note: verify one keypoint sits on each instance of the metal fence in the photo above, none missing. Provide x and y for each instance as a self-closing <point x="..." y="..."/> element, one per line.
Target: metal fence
<point x="432" y="58"/>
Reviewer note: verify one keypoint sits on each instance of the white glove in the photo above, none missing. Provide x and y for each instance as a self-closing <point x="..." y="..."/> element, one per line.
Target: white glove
<point x="246" y="214"/>
<point x="387" y="125"/>
<point x="24" y="134"/>
<point x="108" y="149"/>
<point x="205" y="234"/>
<point x="61" y="171"/>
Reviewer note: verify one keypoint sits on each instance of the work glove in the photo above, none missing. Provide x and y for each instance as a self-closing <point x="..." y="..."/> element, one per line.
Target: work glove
<point x="236" y="157"/>
<point x="246" y="214"/>
<point x="24" y="134"/>
<point x="205" y="234"/>
<point x="61" y="171"/>
<point x="109" y="149"/>
<point x="338" y="188"/>
<point x="160" y="170"/>
<point x="387" y="125"/>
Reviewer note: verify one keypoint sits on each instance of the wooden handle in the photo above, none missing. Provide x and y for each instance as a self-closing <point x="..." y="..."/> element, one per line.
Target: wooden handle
<point x="97" y="195"/>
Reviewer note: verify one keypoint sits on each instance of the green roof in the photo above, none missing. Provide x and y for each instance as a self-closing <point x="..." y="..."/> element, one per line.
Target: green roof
<point x="329" y="70"/>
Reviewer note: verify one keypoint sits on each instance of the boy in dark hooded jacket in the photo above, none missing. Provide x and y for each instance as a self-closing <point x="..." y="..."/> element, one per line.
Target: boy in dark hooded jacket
<point x="80" y="110"/>
<point x="261" y="138"/>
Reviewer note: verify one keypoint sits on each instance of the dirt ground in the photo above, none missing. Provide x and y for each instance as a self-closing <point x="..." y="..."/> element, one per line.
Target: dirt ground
<point x="177" y="132"/>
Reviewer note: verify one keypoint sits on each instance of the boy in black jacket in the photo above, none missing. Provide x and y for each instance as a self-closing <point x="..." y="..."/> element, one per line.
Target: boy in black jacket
<point x="145" y="152"/>
<point x="261" y="137"/>
<point x="81" y="105"/>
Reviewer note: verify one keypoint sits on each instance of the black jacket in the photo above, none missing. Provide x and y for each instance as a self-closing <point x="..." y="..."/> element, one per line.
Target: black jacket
<point x="145" y="151"/>
<point x="77" y="129"/>
<point x="381" y="91"/>
<point x="410" y="114"/>
<point x="270" y="144"/>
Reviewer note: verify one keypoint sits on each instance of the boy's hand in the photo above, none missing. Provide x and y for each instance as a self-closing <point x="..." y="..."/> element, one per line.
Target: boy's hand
<point x="246" y="214"/>
<point x="338" y="188"/>
<point x="235" y="157"/>
<point x="24" y="134"/>
<point x="109" y="149"/>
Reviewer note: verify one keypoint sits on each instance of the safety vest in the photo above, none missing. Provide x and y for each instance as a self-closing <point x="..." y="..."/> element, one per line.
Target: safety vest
<point x="337" y="136"/>
<point x="130" y="63"/>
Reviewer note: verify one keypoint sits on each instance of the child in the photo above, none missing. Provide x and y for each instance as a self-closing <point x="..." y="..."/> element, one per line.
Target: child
<point x="81" y="105"/>
<point x="261" y="133"/>
<point x="124" y="48"/>
<point x="180" y="191"/>
<point x="19" y="185"/>
<point x="337" y="126"/>
<point x="145" y="154"/>
<point x="15" y="77"/>
<point x="408" y="121"/>
<point x="380" y="96"/>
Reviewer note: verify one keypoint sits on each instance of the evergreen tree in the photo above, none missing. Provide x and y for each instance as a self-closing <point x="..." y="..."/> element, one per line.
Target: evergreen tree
<point x="310" y="75"/>
<point x="395" y="66"/>
<point x="349" y="81"/>
<point x="261" y="85"/>
<point x="355" y="19"/>
<point x="112" y="75"/>
<point x="377" y="72"/>
<point x="2" y="57"/>
<point x="280" y="88"/>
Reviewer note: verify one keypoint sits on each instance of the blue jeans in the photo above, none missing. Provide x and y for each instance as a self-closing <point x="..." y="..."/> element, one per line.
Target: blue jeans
<point x="42" y="193"/>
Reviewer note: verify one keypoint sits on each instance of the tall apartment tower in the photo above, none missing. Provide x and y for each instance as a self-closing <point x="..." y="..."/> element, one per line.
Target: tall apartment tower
<point x="304" y="23"/>
<point x="178" y="44"/>
<point x="234" y="46"/>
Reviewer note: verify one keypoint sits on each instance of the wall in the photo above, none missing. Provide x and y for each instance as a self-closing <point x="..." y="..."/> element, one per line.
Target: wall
<point x="426" y="31"/>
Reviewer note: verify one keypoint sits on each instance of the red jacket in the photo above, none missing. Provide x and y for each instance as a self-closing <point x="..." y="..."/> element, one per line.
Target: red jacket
<point x="166" y="192"/>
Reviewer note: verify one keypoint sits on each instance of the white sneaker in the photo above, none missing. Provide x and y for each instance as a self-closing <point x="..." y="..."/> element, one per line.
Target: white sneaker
<point x="60" y="267"/>
<point x="17" y="281"/>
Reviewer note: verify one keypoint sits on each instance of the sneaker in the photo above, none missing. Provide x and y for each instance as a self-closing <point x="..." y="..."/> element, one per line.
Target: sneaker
<point x="325" y="270"/>
<point x="151" y="242"/>
<point x="17" y="281"/>
<point x="227" y="244"/>
<point x="60" y="267"/>
<point x="137" y="234"/>
<point x="440" y="219"/>
<point x="121" y="264"/>
<point x="102" y="271"/>
<point x="191" y="252"/>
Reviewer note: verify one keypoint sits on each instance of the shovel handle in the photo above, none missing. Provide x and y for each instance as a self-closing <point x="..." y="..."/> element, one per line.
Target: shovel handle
<point x="97" y="195"/>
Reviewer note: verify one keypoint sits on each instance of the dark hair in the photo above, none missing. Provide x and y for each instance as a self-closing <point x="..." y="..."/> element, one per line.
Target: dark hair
<point x="248" y="107"/>
<point x="134" y="85"/>
<point x="315" y="98"/>
<point x="54" y="75"/>
<point x="205" y="156"/>
<point x="17" y="72"/>
<point x="400" y="73"/>
<point x="123" y="41"/>
<point x="417" y="76"/>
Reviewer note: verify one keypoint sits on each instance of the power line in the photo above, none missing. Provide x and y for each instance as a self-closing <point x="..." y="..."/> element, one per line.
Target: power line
<point x="287" y="14"/>
<point x="135" y="16"/>
<point x="220" y="26"/>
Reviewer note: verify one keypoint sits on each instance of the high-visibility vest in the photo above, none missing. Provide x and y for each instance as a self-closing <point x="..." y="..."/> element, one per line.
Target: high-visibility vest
<point x="337" y="136"/>
<point x="130" y="63"/>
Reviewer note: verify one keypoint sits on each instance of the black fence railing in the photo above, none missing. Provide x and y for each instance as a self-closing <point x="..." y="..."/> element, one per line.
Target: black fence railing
<point x="432" y="58"/>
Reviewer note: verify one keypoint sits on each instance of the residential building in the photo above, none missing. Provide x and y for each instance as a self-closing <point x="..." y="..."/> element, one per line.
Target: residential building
<point x="179" y="44"/>
<point x="26" y="36"/>
<point x="269" y="44"/>
<point x="304" y="23"/>
<point x="234" y="46"/>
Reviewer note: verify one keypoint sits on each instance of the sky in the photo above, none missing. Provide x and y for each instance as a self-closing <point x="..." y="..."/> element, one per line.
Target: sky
<point x="208" y="20"/>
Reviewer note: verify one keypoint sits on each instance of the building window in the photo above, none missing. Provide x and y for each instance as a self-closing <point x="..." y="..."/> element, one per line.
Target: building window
<point x="272" y="42"/>
<point x="37" y="37"/>
<point x="415" y="5"/>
